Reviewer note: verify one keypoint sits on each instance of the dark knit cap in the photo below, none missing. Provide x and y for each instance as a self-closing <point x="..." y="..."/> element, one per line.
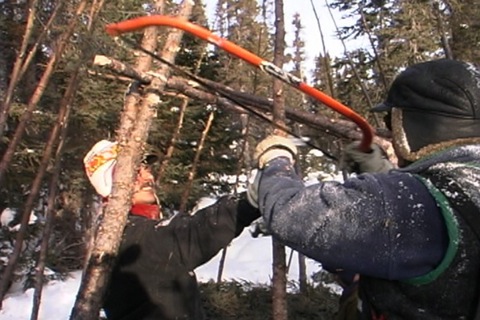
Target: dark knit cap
<point x="440" y="101"/>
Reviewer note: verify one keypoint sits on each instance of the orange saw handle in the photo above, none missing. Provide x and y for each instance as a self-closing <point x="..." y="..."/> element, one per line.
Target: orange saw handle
<point x="116" y="29"/>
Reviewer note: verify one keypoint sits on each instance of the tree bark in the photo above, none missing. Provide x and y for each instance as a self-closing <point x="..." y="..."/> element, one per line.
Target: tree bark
<point x="441" y="30"/>
<point x="132" y="136"/>
<point x="52" y="195"/>
<point x="279" y="276"/>
<point x="191" y="174"/>
<point x="171" y="146"/>
<point x="14" y="75"/>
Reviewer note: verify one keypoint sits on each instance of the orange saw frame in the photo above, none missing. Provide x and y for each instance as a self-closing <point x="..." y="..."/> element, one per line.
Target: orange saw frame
<point x="134" y="24"/>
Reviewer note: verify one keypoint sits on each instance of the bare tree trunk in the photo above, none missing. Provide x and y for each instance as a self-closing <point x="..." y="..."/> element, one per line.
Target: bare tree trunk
<point x="25" y="64"/>
<point x="132" y="136"/>
<point x="110" y="228"/>
<point x="221" y="265"/>
<point x="191" y="174"/>
<point x="279" y="282"/>
<point x="14" y="76"/>
<point x="143" y="63"/>
<point x="302" y="268"/>
<point x="89" y="227"/>
<point x="171" y="147"/>
<point x="52" y="190"/>
<point x="42" y="84"/>
<point x="243" y="159"/>
<point x="441" y="30"/>
<point x="89" y="231"/>
<point x="302" y="273"/>
<point x="176" y="134"/>
<point x="279" y="277"/>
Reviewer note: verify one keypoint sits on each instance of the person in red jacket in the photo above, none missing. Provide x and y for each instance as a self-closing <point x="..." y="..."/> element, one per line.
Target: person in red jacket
<point x="154" y="277"/>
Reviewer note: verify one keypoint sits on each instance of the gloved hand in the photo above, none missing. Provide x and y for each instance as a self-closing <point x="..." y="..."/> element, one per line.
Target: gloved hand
<point x="259" y="228"/>
<point x="272" y="147"/>
<point x="252" y="189"/>
<point x="357" y="161"/>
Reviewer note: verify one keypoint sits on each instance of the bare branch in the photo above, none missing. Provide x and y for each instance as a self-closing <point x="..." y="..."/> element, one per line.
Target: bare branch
<point x="123" y="69"/>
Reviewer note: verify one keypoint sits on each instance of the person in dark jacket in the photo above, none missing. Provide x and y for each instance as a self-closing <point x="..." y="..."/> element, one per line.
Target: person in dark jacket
<point x="412" y="234"/>
<point x="154" y="277"/>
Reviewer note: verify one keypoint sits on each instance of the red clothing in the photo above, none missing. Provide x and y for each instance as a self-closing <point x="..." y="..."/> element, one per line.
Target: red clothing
<point x="150" y="211"/>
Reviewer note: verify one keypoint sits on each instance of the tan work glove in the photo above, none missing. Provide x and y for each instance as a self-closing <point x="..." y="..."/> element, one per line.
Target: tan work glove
<point x="272" y="147"/>
<point x="357" y="161"/>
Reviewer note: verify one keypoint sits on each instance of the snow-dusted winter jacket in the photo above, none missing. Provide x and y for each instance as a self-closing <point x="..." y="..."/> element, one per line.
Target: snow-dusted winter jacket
<point x="154" y="276"/>
<point x="417" y="257"/>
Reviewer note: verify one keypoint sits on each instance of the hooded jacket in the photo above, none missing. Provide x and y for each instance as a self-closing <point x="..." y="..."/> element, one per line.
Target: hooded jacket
<point x="415" y="254"/>
<point x="154" y="275"/>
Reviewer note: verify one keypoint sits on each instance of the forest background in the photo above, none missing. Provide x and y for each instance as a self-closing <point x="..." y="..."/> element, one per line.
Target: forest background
<point x="66" y="84"/>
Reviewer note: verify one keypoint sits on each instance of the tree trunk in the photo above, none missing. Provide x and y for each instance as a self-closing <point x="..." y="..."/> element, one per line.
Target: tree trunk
<point x="279" y="277"/>
<point x="302" y="268"/>
<point x="191" y="174"/>
<point x="52" y="195"/>
<point x="15" y="74"/>
<point x="441" y="30"/>
<point x="302" y="273"/>
<point x="243" y="159"/>
<point x="132" y="136"/>
<point x="171" y="146"/>
<point x="279" y="282"/>
<point x="221" y="265"/>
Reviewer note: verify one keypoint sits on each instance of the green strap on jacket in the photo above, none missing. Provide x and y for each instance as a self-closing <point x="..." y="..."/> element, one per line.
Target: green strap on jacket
<point x="453" y="235"/>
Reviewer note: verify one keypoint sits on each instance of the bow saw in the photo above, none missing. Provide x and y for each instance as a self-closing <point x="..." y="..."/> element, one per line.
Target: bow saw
<point x="116" y="29"/>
